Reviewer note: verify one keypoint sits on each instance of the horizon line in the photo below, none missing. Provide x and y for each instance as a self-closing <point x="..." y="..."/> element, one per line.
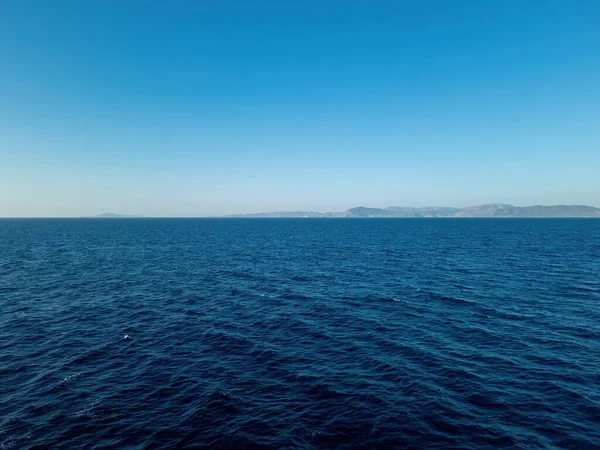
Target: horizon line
<point x="109" y="215"/>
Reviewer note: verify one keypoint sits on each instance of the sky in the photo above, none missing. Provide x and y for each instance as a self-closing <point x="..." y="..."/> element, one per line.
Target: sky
<point x="204" y="108"/>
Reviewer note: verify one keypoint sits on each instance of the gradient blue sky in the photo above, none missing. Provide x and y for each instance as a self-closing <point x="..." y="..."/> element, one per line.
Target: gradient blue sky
<point x="195" y="108"/>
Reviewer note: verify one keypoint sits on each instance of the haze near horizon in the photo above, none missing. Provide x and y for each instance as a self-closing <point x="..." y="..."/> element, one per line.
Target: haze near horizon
<point x="213" y="108"/>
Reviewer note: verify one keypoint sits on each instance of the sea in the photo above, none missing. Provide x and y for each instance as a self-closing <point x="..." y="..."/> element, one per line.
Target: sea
<point x="299" y="333"/>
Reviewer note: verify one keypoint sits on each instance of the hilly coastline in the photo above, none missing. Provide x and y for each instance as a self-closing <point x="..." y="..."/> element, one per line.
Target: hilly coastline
<point x="109" y="215"/>
<point x="489" y="210"/>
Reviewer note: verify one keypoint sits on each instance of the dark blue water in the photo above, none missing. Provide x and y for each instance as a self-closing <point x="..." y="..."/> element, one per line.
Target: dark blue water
<point x="426" y="333"/>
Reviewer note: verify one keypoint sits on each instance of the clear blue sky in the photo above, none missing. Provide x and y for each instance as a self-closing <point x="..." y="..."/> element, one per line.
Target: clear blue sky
<point x="195" y="108"/>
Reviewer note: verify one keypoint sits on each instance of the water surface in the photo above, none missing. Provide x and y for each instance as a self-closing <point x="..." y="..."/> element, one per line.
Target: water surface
<point x="291" y="333"/>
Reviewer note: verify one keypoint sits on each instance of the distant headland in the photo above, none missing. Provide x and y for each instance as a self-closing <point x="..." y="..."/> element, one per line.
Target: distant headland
<point x="489" y="210"/>
<point x="109" y="215"/>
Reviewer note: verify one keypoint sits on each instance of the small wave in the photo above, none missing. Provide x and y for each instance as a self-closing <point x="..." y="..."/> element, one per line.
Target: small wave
<point x="390" y="299"/>
<point x="324" y="392"/>
<point x="294" y="297"/>
<point x="449" y="299"/>
<point x="301" y="278"/>
<point x="484" y="401"/>
<point x="91" y="411"/>
<point x="71" y="378"/>
<point x="5" y="445"/>
<point x="222" y="402"/>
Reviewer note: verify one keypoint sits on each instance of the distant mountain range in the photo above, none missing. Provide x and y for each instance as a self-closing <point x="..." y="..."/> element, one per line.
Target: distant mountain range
<point x="489" y="210"/>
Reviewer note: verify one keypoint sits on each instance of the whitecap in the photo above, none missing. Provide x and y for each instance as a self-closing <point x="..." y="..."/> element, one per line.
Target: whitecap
<point x="70" y="377"/>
